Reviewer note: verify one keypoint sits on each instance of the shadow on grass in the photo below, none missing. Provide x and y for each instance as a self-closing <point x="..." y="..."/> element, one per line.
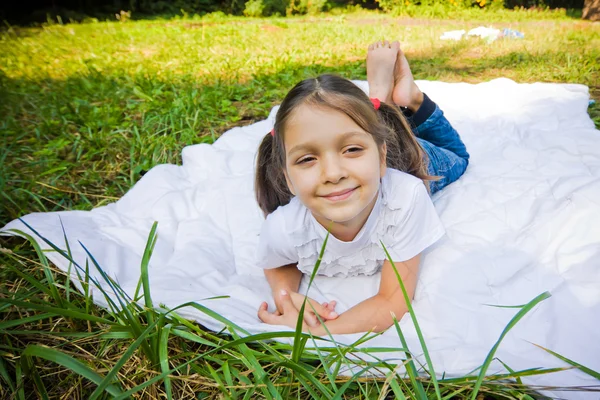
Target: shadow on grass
<point x="82" y="142"/>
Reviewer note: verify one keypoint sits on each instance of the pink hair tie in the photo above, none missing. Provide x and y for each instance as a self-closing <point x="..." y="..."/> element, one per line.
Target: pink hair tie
<point x="376" y="102"/>
<point x="272" y="132"/>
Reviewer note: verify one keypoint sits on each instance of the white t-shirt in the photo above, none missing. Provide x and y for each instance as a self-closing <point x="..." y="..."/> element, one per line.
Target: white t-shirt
<point x="403" y="218"/>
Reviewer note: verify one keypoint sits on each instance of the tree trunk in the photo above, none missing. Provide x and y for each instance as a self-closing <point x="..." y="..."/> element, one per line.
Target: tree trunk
<point x="591" y="10"/>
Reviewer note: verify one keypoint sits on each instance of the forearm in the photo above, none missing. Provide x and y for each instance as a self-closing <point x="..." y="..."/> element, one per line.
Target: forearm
<point x="373" y="314"/>
<point x="286" y="278"/>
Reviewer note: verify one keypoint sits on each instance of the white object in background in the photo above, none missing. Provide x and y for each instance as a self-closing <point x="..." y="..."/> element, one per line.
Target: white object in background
<point x="489" y="34"/>
<point x="453" y="35"/>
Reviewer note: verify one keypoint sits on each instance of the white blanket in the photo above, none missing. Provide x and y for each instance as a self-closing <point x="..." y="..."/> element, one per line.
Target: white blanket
<point x="524" y="219"/>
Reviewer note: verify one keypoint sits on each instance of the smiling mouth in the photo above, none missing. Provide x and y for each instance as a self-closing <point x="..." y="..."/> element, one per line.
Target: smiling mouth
<point x="341" y="195"/>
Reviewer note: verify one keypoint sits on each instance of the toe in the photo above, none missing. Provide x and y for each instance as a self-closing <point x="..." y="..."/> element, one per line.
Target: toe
<point x="386" y="44"/>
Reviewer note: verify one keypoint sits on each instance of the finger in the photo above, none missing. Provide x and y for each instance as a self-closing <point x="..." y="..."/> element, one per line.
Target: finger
<point x="310" y="318"/>
<point x="265" y="316"/>
<point x="323" y="311"/>
<point x="331" y="309"/>
<point x="286" y="302"/>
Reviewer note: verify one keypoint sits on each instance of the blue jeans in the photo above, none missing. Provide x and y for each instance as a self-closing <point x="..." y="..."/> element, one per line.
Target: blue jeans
<point x="448" y="157"/>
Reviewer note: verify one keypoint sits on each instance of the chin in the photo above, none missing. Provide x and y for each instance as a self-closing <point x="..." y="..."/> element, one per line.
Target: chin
<point x="341" y="217"/>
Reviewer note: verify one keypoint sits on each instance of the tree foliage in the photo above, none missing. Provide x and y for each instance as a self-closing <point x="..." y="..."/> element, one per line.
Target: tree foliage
<point x="32" y="11"/>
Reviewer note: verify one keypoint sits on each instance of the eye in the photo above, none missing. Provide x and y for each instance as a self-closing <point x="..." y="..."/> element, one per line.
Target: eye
<point x="354" y="149"/>
<point x="305" y="160"/>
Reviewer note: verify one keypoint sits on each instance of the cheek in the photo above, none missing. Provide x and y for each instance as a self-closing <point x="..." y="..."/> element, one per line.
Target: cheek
<point x="304" y="181"/>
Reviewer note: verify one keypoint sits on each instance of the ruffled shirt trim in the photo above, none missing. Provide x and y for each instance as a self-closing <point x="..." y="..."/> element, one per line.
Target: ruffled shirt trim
<point x="362" y="256"/>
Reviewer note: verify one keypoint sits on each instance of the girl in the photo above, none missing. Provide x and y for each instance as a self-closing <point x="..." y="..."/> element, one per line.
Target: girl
<point x="338" y="161"/>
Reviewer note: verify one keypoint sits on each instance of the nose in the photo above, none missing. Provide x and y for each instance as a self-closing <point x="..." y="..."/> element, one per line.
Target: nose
<point x="332" y="169"/>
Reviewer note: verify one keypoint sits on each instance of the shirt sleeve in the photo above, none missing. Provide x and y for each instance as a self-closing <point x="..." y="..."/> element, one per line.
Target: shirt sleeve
<point x="274" y="247"/>
<point x="420" y="228"/>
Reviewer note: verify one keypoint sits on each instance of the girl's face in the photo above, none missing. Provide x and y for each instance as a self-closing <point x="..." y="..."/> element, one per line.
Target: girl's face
<point x="332" y="165"/>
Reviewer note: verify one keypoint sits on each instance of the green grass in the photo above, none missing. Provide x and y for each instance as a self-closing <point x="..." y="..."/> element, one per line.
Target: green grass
<point x="86" y="108"/>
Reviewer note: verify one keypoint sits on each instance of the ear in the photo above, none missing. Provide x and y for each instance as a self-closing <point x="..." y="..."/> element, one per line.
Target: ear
<point x="288" y="182"/>
<point x="383" y="161"/>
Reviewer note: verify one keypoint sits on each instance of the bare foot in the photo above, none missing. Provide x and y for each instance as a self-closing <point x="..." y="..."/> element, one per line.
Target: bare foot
<point x="381" y="58"/>
<point x="406" y="93"/>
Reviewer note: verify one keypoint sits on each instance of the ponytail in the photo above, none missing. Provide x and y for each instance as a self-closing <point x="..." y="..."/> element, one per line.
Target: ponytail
<point x="404" y="152"/>
<point x="270" y="186"/>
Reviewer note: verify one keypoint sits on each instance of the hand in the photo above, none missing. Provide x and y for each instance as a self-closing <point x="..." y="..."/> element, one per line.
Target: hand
<point x="290" y="314"/>
<point x="312" y="308"/>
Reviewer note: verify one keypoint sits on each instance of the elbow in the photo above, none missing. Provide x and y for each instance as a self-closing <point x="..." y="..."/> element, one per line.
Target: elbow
<point x="391" y="309"/>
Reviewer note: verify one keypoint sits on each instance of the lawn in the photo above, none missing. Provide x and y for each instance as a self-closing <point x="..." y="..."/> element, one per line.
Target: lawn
<point x="86" y="108"/>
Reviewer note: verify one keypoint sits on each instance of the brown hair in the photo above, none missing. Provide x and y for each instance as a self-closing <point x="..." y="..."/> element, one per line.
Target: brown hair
<point x="387" y="125"/>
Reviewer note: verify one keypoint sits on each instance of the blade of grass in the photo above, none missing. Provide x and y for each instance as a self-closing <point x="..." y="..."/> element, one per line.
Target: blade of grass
<point x="132" y="317"/>
<point x="241" y="377"/>
<point x="509" y="369"/>
<point x="30" y="370"/>
<point x="20" y="381"/>
<point x="69" y="362"/>
<point x="508" y="327"/>
<point x="392" y="376"/>
<point x="257" y="370"/>
<point x="192" y="337"/>
<point x="220" y="385"/>
<point x="107" y="381"/>
<point x="56" y="311"/>
<point x="5" y="376"/>
<point x="411" y="370"/>
<point x="46" y="268"/>
<point x="228" y="378"/>
<point x="229" y="324"/>
<point x="66" y="256"/>
<point x="30" y="279"/>
<point x="299" y="343"/>
<point x="306" y="385"/>
<point x="68" y="277"/>
<point x="331" y="377"/>
<point x="413" y="316"/>
<point x="582" y="368"/>
<point x="150" y="243"/>
<point x="325" y="392"/>
<point x="497" y="377"/>
<point x="397" y="390"/>
<point x="17" y="322"/>
<point x="164" y="358"/>
<point x="232" y="344"/>
<point x="455" y="393"/>
<point x="338" y="395"/>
